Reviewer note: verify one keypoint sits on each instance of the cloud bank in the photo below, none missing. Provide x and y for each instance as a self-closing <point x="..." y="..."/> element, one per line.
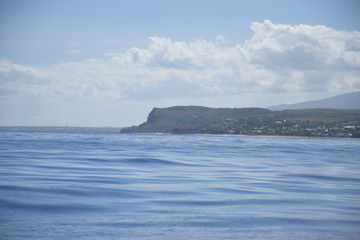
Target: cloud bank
<point x="278" y="58"/>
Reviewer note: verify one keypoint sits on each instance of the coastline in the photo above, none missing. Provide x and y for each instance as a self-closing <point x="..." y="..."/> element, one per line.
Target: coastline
<point x="242" y="135"/>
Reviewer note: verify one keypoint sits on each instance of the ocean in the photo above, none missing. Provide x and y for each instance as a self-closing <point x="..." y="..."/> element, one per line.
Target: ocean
<point x="66" y="185"/>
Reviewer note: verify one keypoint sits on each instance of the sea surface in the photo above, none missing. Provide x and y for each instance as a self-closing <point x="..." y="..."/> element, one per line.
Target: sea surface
<point x="57" y="185"/>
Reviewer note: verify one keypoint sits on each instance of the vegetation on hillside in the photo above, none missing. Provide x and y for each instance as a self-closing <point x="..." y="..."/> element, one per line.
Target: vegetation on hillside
<point x="251" y="121"/>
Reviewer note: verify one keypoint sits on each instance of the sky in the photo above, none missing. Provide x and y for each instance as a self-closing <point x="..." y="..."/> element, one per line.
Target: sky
<point x="109" y="62"/>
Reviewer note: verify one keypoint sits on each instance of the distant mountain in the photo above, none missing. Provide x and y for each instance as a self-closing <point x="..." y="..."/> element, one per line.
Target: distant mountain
<point x="344" y="101"/>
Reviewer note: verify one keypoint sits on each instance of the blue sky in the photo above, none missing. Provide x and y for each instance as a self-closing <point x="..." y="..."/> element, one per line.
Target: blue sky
<point x="44" y="32"/>
<point x="107" y="63"/>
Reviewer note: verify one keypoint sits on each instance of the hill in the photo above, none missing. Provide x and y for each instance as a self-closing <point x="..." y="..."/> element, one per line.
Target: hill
<point x="344" y="101"/>
<point x="165" y="120"/>
<point x="196" y="119"/>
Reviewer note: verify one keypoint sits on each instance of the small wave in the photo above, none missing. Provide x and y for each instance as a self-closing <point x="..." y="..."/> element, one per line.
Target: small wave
<point x="58" y="208"/>
<point x="324" y="177"/>
<point x="153" y="161"/>
<point x="239" y="222"/>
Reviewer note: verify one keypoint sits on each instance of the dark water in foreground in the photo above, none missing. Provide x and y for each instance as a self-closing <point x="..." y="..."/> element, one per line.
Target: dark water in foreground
<point x="112" y="186"/>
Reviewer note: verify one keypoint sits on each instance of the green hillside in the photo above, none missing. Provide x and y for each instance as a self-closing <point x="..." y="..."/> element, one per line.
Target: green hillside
<point x="251" y="121"/>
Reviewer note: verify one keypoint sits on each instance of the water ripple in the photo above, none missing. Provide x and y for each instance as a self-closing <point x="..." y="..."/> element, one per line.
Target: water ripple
<point x="110" y="186"/>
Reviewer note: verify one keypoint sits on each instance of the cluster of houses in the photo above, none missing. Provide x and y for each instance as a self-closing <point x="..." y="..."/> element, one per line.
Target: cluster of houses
<point x="257" y="126"/>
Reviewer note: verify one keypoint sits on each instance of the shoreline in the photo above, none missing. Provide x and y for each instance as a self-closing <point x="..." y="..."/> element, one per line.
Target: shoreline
<point x="242" y="135"/>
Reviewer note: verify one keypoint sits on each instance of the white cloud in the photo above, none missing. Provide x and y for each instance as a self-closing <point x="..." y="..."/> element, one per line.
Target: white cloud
<point x="278" y="58"/>
<point x="74" y="52"/>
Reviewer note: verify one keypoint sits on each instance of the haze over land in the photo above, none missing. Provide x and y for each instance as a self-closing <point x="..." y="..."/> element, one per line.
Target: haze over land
<point x="109" y="63"/>
<point x="343" y="101"/>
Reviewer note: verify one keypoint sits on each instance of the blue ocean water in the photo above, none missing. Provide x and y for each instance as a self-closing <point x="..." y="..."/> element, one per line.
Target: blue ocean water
<point x="119" y="186"/>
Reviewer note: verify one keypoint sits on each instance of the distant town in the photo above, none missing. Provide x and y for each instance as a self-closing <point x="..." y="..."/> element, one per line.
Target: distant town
<point x="260" y="126"/>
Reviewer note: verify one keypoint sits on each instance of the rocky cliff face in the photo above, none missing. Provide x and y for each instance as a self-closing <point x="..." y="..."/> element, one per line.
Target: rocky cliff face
<point x="192" y="119"/>
<point x="195" y="119"/>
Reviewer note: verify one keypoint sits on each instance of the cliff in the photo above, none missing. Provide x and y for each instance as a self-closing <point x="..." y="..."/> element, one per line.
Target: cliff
<point x="196" y="119"/>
